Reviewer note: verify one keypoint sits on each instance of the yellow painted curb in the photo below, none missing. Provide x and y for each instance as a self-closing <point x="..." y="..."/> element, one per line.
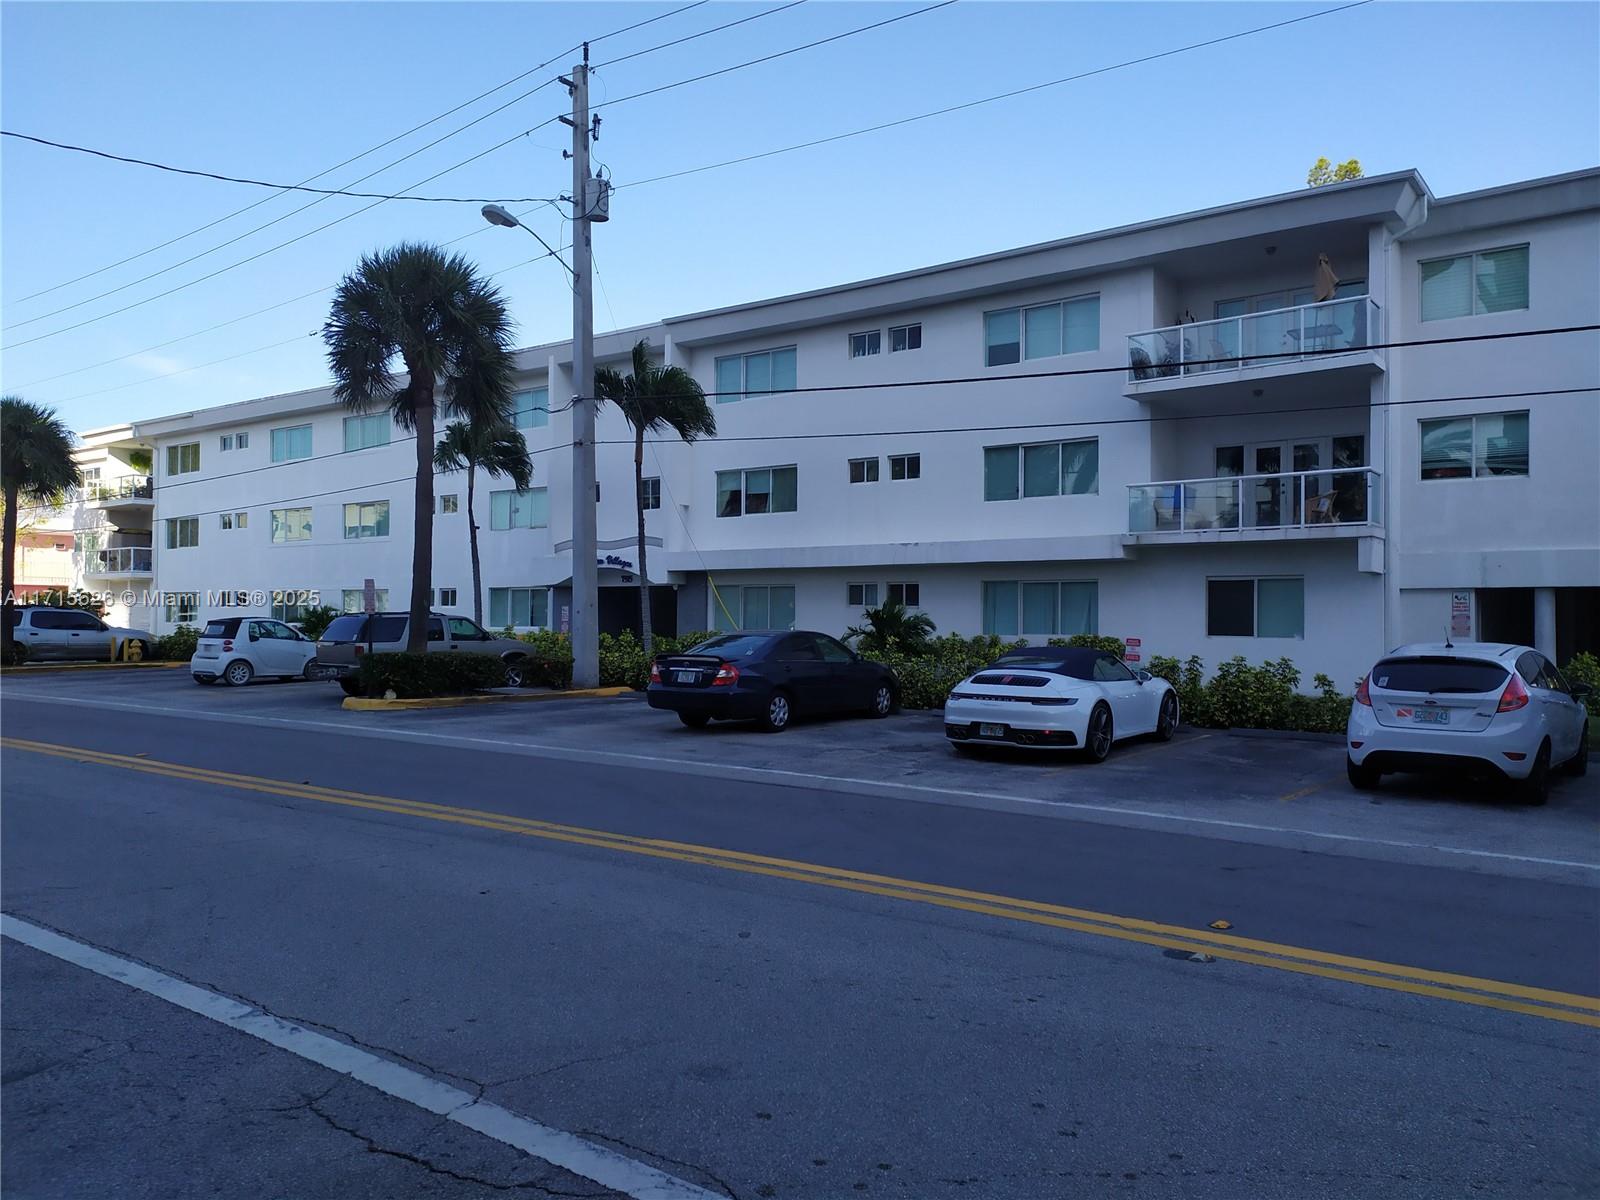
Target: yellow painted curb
<point x="364" y="704"/>
<point x="42" y="668"/>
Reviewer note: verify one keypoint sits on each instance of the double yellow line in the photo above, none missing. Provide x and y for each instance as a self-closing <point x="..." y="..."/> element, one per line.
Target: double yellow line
<point x="1443" y="985"/>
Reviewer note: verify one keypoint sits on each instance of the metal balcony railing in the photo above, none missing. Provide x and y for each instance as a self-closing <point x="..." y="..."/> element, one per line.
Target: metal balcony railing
<point x="1293" y="499"/>
<point x="129" y="487"/>
<point x="119" y="560"/>
<point x="1255" y="339"/>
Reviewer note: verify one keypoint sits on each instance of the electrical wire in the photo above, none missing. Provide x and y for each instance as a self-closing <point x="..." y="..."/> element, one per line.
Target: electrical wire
<point x="691" y="37"/>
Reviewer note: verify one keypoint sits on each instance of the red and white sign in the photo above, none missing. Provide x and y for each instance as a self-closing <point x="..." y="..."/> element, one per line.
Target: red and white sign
<point x="1132" y="643"/>
<point x="1130" y="657"/>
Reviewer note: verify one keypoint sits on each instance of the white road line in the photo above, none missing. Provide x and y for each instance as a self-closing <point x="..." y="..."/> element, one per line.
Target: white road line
<point x="784" y="777"/>
<point x="600" y="1164"/>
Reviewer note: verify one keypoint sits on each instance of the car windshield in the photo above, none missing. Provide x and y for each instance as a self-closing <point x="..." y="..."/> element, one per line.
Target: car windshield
<point x="1073" y="666"/>
<point x="1439" y="674"/>
<point x="731" y="645"/>
<point x="344" y="629"/>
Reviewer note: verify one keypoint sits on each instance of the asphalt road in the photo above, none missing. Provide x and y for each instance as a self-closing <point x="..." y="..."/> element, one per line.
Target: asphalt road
<point x="753" y="982"/>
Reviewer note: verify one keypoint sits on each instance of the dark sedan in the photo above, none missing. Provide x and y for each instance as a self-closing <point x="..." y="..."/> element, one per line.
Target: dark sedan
<point x="767" y="677"/>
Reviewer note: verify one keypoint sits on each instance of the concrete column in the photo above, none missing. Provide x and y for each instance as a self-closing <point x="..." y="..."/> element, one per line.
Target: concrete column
<point x="1544" y="622"/>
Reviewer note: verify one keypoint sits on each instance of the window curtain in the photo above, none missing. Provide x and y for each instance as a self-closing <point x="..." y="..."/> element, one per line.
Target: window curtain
<point x="1447" y="288"/>
<point x="1043" y="325"/>
<point x="1501" y="280"/>
<point x="1000" y="608"/>
<point x="1000" y="473"/>
<point x="1281" y="608"/>
<point x="1002" y="334"/>
<point x="1081" y="325"/>
<point x="785" y="485"/>
<point x="1039" y="608"/>
<point x="730" y="379"/>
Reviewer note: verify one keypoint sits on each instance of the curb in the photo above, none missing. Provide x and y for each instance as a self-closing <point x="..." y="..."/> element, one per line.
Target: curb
<point x="1290" y="735"/>
<point x="364" y="704"/>
<point x="48" y="668"/>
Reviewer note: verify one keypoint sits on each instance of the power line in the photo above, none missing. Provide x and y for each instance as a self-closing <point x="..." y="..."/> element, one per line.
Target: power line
<point x="691" y="37"/>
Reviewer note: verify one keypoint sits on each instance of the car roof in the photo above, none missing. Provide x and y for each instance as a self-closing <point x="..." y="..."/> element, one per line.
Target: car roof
<point x="1079" y="656"/>
<point x="1461" y="649"/>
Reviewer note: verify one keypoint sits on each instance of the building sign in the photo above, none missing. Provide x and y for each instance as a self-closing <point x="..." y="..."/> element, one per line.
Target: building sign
<point x="614" y="560"/>
<point x="369" y="596"/>
<point x="566" y="618"/>
<point x="1461" y="615"/>
<point x="1132" y="653"/>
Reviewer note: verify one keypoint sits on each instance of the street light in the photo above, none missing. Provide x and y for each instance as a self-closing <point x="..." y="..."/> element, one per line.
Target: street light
<point x="496" y="214"/>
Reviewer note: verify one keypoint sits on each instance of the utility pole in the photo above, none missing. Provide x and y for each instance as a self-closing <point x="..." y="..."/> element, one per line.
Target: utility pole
<point x="585" y="576"/>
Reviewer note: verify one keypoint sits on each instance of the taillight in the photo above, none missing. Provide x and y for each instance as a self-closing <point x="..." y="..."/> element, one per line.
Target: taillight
<point x="1362" y="695"/>
<point x="727" y="675"/>
<point x="227" y="645"/>
<point x="1515" y="696"/>
<point x="655" y="672"/>
<point x="358" y="649"/>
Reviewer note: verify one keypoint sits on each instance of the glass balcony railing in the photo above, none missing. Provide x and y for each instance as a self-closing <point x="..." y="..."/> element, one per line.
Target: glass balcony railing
<point x="119" y="560"/>
<point x="1255" y="339"/>
<point x="129" y="487"/>
<point x="1294" y="499"/>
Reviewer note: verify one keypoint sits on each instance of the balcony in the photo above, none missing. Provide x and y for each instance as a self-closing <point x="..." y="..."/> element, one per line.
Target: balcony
<point x="118" y="562"/>
<point x="1301" y="504"/>
<point x="129" y="491"/>
<point x="1333" y="336"/>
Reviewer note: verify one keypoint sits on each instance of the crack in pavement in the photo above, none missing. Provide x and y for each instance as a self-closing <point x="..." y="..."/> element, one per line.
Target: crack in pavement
<point x="649" y="1153"/>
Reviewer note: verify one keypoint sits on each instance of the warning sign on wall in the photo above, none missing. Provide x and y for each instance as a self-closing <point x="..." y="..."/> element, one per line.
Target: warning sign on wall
<point x="1461" y="615"/>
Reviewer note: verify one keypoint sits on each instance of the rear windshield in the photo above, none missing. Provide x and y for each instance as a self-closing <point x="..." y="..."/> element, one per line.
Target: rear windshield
<point x="222" y="629"/>
<point x="1468" y="676"/>
<point x="345" y="629"/>
<point x="731" y="645"/>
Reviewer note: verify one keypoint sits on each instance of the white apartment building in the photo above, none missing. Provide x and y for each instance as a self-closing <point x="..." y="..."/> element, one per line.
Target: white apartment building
<point x="1156" y="432"/>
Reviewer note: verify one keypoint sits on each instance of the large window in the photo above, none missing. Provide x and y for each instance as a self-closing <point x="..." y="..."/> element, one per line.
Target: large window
<point x="1489" y="281"/>
<point x="361" y="433"/>
<point x="861" y="595"/>
<point x="909" y="594"/>
<point x="182" y="532"/>
<point x="291" y="524"/>
<point x="1475" y="447"/>
<point x="1040" y="608"/>
<point x="761" y="490"/>
<point x="291" y="442"/>
<point x="1268" y="608"/>
<point x="531" y="409"/>
<point x="353" y="600"/>
<point x="905" y="466"/>
<point x="184" y="459"/>
<point x="290" y="604"/>
<point x="366" y="519"/>
<point x="740" y="376"/>
<point x="1047" y="469"/>
<point x="863" y="344"/>
<point x="1041" y="331"/>
<point x="519" y="608"/>
<point x="905" y="337"/>
<point x="183" y="608"/>
<point x="753" y="608"/>
<point x="528" y="509"/>
<point x="863" y="470"/>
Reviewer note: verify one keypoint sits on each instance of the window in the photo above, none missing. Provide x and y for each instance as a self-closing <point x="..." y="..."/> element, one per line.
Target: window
<point x="226" y="442"/>
<point x="450" y="503"/>
<point x="291" y="525"/>
<point x="291" y="442"/>
<point x="1042" y="608"/>
<point x="362" y="432"/>
<point x="531" y="409"/>
<point x="446" y="598"/>
<point x="767" y="489"/>
<point x="183" y="608"/>
<point x="909" y="594"/>
<point x="366" y="519"/>
<point x="651" y="494"/>
<point x="863" y="470"/>
<point x="863" y="344"/>
<point x="861" y="595"/>
<point x="241" y="440"/>
<point x="519" y="510"/>
<point x="353" y="600"/>
<point x="905" y="466"/>
<point x="463" y="630"/>
<point x="184" y="459"/>
<point x="183" y="531"/>
<point x="290" y="604"/>
<point x="234" y="520"/>
<point x="1489" y="281"/>
<point x="519" y="608"/>
<point x="740" y="376"/>
<point x="905" y="337"/>
<point x="753" y="608"/>
<point x="1042" y="331"/>
<point x="1048" y="469"/>
<point x="1475" y="447"/>
<point x="233" y="441"/>
<point x="1274" y="608"/>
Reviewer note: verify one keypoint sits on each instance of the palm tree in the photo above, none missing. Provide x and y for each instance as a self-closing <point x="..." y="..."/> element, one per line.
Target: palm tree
<point x="434" y="313"/>
<point x="494" y="449"/>
<point x="652" y="399"/>
<point x="35" y="465"/>
<point x="892" y="626"/>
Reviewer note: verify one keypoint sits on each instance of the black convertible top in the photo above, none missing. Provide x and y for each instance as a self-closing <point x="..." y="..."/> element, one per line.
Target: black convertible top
<point x="1075" y="662"/>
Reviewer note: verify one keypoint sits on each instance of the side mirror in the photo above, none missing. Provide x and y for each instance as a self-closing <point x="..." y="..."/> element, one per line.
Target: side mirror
<point x="1144" y="676"/>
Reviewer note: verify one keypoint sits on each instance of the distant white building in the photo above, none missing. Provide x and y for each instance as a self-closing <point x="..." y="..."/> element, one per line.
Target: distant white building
<point x="1240" y="469"/>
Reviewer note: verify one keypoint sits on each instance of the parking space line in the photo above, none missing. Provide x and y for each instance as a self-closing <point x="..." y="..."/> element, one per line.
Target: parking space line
<point x="1299" y="792"/>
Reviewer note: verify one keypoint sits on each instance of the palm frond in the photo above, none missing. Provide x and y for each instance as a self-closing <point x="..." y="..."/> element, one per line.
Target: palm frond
<point x="35" y="451"/>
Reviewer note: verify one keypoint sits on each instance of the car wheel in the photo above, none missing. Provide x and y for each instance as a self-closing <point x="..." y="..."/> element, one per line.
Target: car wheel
<point x="1535" y="789"/>
<point x="882" y="701"/>
<point x="778" y="714"/>
<point x="238" y="673"/>
<point x="1578" y="764"/>
<point x="1363" y="779"/>
<point x="694" y="720"/>
<point x="350" y="686"/>
<point x="311" y="672"/>
<point x="1167" y="721"/>
<point x="1097" y="740"/>
<point x="516" y="673"/>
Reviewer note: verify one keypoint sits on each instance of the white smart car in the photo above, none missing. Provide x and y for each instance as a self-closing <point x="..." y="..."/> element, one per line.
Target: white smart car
<point x="237" y="649"/>
<point x="1477" y="707"/>
<point x="1050" y="697"/>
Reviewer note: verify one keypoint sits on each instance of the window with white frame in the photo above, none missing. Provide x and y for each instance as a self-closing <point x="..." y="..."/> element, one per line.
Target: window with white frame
<point x="905" y="337"/>
<point x="184" y="459"/>
<point x="366" y="519"/>
<point x="241" y="440"/>
<point x="1267" y="608"/>
<point x="368" y="430"/>
<point x="290" y="604"/>
<point x="449" y="503"/>
<point x="530" y="409"/>
<point x="758" y="490"/>
<point x="234" y="520"/>
<point x="740" y="376"/>
<point x="1041" y="330"/>
<point x="861" y="595"/>
<point x="1475" y="447"/>
<point x="528" y="509"/>
<point x="291" y="524"/>
<point x="909" y="594"/>
<point x="905" y="466"/>
<point x="1044" y="469"/>
<point x="354" y="600"/>
<point x="1466" y="285"/>
<point x="863" y="344"/>
<point x="183" y="608"/>
<point x="225" y="442"/>
<point x="650" y="491"/>
<point x="863" y="470"/>
<point x="442" y="597"/>
<point x="1041" y="607"/>
<point x="182" y="532"/>
<point x="753" y="607"/>
<point x="519" y="607"/>
<point x="291" y="442"/>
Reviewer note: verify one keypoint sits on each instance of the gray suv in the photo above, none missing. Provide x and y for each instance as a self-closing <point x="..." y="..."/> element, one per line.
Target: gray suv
<point x="341" y="645"/>
<point x="61" y="633"/>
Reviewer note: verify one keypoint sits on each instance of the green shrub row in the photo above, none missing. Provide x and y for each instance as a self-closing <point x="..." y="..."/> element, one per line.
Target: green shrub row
<point x="1244" y="696"/>
<point x="622" y="660"/>
<point x="926" y="679"/>
<point x="1585" y="668"/>
<point x="1094" y="641"/>
<point x="177" y="646"/>
<point x="410" y="676"/>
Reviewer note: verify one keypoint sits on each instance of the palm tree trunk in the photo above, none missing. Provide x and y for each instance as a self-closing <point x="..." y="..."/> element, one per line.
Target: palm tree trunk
<point x="422" y="534"/>
<point x="9" y="571"/>
<point x="645" y="633"/>
<point x="472" y="536"/>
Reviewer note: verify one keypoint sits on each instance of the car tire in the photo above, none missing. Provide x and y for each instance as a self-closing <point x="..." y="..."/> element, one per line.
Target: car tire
<point x="1167" y="719"/>
<point x="779" y="712"/>
<point x="1535" y="789"/>
<point x="1578" y="764"/>
<point x="694" y="720"/>
<point x="1363" y="779"/>
<point x="1099" y="735"/>
<point x="882" y="703"/>
<point x="516" y="672"/>
<point x="238" y="673"/>
<point x="312" y="671"/>
<point x="350" y="686"/>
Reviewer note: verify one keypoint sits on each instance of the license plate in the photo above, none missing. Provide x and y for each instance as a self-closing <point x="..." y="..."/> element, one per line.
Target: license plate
<point x="998" y="731"/>
<point x="1431" y="716"/>
<point x="684" y="676"/>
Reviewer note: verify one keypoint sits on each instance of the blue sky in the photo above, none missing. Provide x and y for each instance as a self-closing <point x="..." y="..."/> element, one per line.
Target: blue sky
<point x="1471" y="94"/>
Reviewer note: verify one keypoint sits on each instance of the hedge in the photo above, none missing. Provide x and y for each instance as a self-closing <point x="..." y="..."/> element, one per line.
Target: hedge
<point x="410" y="676"/>
<point x="1585" y="668"/>
<point x="1253" y="697"/>
<point x="177" y="646"/>
<point x="926" y="679"/>
<point x="622" y="660"/>
<point x="1094" y="641"/>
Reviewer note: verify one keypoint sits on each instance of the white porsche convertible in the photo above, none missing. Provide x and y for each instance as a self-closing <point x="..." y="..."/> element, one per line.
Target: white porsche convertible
<point x="1054" y="697"/>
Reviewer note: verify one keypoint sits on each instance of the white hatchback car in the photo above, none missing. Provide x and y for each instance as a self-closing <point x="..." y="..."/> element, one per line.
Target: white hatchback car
<point x="1476" y="707"/>
<point x="237" y="649"/>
